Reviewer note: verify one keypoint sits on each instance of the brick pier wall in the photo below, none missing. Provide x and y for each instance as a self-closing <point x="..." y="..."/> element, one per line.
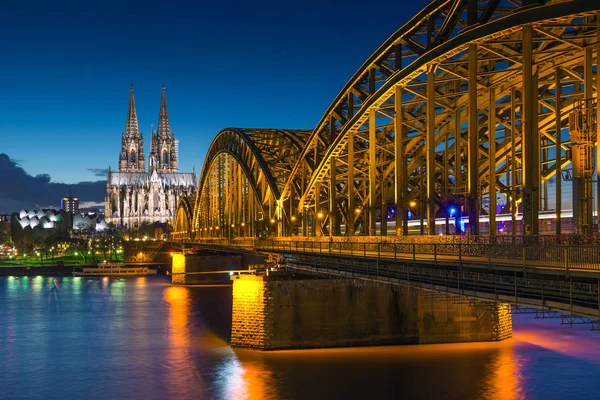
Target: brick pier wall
<point x="270" y="313"/>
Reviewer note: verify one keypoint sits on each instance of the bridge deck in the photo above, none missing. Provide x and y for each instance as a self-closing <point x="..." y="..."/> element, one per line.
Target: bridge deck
<point x="563" y="278"/>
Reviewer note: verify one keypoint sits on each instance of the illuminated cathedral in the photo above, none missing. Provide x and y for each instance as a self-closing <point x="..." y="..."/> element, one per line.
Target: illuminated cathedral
<point x="136" y="196"/>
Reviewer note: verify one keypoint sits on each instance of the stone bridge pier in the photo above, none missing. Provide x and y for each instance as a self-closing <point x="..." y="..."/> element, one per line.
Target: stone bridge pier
<point x="290" y="311"/>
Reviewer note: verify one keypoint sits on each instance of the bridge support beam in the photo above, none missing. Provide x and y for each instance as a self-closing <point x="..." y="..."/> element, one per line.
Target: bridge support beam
<point x="492" y="161"/>
<point x="473" y="144"/>
<point x="353" y="211"/>
<point x="372" y="173"/>
<point x="430" y="144"/>
<point x="400" y="191"/>
<point x="276" y="312"/>
<point x="558" y="148"/>
<point x="530" y="140"/>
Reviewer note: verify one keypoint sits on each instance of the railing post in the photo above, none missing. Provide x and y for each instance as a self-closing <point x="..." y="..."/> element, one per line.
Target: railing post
<point x="395" y="253"/>
<point x="489" y="246"/>
<point x="460" y="254"/>
<point x="414" y="255"/>
<point x="365" y="249"/>
<point x="320" y="247"/>
<point x="435" y="254"/>
<point x="566" y="252"/>
<point x="524" y="257"/>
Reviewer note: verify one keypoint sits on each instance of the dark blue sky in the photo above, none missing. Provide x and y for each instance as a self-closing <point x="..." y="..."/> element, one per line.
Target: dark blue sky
<point x="66" y="66"/>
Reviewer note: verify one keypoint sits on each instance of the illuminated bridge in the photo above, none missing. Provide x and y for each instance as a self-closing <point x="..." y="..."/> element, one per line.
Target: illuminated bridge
<point x="476" y="120"/>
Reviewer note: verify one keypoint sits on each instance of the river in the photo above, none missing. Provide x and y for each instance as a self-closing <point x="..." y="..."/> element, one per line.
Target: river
<point x="140" y="338"/>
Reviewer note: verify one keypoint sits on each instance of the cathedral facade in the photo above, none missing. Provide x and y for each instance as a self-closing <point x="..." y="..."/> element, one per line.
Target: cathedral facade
<point x="136" y="196"/>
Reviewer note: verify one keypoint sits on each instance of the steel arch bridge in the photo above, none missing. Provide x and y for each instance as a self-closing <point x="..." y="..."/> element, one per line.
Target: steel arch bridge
<point x="460" y="117"/>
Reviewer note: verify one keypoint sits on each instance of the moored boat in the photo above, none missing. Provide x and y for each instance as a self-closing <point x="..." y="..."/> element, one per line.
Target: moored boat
<point x="113" y="270"/>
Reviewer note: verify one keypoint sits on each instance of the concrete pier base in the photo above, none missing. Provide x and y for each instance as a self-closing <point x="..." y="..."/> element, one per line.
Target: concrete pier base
<point x="275" y="312"/>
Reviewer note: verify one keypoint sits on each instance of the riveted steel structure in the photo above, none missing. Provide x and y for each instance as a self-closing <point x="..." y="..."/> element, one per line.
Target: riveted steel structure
<point x="459" y="117"/>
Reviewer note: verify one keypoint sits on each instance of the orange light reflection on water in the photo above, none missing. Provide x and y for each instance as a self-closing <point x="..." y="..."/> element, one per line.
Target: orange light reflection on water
<point x="249" y="379"/>
<point x="181" y="367"/>
<point x="506" y="379"/>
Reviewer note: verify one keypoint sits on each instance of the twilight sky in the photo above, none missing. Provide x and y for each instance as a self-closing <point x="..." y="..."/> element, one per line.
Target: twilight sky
<point x="66" y="68"/>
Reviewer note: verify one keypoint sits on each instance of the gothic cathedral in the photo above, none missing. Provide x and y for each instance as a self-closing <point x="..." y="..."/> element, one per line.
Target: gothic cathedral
<point x="135" y="196"/>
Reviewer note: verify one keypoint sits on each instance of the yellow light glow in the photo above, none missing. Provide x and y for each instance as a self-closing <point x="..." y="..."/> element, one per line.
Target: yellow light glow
<point x="320" y="215"/>
<point x="272" y="220"/>
<point x="243" y="224"/>
<point x="293" y="218"/>
<point x="178" y="263"/>
<point x="412" y="203"/>
<point x="357" y="210"/>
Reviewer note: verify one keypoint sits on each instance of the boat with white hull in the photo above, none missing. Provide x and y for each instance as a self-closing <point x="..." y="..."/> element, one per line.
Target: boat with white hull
<point x="113" y="270"/>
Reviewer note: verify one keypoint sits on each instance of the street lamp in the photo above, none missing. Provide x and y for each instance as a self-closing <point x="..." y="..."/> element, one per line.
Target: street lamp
<point x="320" y="215"/>
<point x="272" y="220"/>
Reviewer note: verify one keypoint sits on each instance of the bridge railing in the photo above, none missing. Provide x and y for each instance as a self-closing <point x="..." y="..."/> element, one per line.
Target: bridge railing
<point x="540" y="255"/>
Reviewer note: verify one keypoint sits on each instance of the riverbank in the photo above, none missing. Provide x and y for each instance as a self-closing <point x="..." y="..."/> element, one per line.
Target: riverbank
<point x="35" y="270"/>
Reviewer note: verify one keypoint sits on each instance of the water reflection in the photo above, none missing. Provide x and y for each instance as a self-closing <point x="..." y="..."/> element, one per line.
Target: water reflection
<point x="142" y="338"/>
<point x="181" y="369"/>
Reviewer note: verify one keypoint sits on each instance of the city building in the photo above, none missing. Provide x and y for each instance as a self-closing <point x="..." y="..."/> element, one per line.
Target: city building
<point x="29" y="226"/>
<point x="88" y="222"/>
<point x="70" y="203"/>
<point x="136" y="196"/>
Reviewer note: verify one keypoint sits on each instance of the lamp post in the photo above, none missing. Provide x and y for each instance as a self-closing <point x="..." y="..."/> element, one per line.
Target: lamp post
<point x="319" y="222"/>
<point x="412" y="205"/>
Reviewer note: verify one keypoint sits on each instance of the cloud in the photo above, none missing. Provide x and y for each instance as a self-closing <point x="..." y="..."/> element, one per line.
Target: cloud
<point x="20" y="190"/>
<point x="99" y="172"/>
<point x="90" y="204"/>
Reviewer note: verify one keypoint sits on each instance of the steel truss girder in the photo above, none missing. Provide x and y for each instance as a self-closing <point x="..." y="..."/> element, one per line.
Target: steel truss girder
<point x="426" y="62"/>
<point x="483" y="34"/>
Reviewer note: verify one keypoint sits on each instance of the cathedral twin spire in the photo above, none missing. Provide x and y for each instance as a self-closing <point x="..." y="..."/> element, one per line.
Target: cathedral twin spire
<point x="163" y="147"/>
<point x="164" y="130"/>
<point x="132" y="129"/>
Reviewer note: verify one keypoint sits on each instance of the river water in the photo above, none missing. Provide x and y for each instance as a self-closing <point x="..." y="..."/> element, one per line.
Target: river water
<point x="140" y="338"/>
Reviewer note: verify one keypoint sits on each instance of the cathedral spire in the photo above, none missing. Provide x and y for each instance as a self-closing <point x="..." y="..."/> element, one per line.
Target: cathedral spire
<point x="132" y="129"/>
<point x="132" y="142"/>
<point x="164" y="130"/>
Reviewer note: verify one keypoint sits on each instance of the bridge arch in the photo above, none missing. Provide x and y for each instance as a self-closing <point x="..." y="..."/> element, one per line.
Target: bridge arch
<point x="386" y="109"/>
<point x="463" y="110"/>
<point x="182" y="228"/>
<point x="241" y="181"/>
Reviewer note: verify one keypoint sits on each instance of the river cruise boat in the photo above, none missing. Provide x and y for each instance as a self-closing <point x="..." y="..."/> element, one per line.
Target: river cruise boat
<point x="105" y="269"/>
